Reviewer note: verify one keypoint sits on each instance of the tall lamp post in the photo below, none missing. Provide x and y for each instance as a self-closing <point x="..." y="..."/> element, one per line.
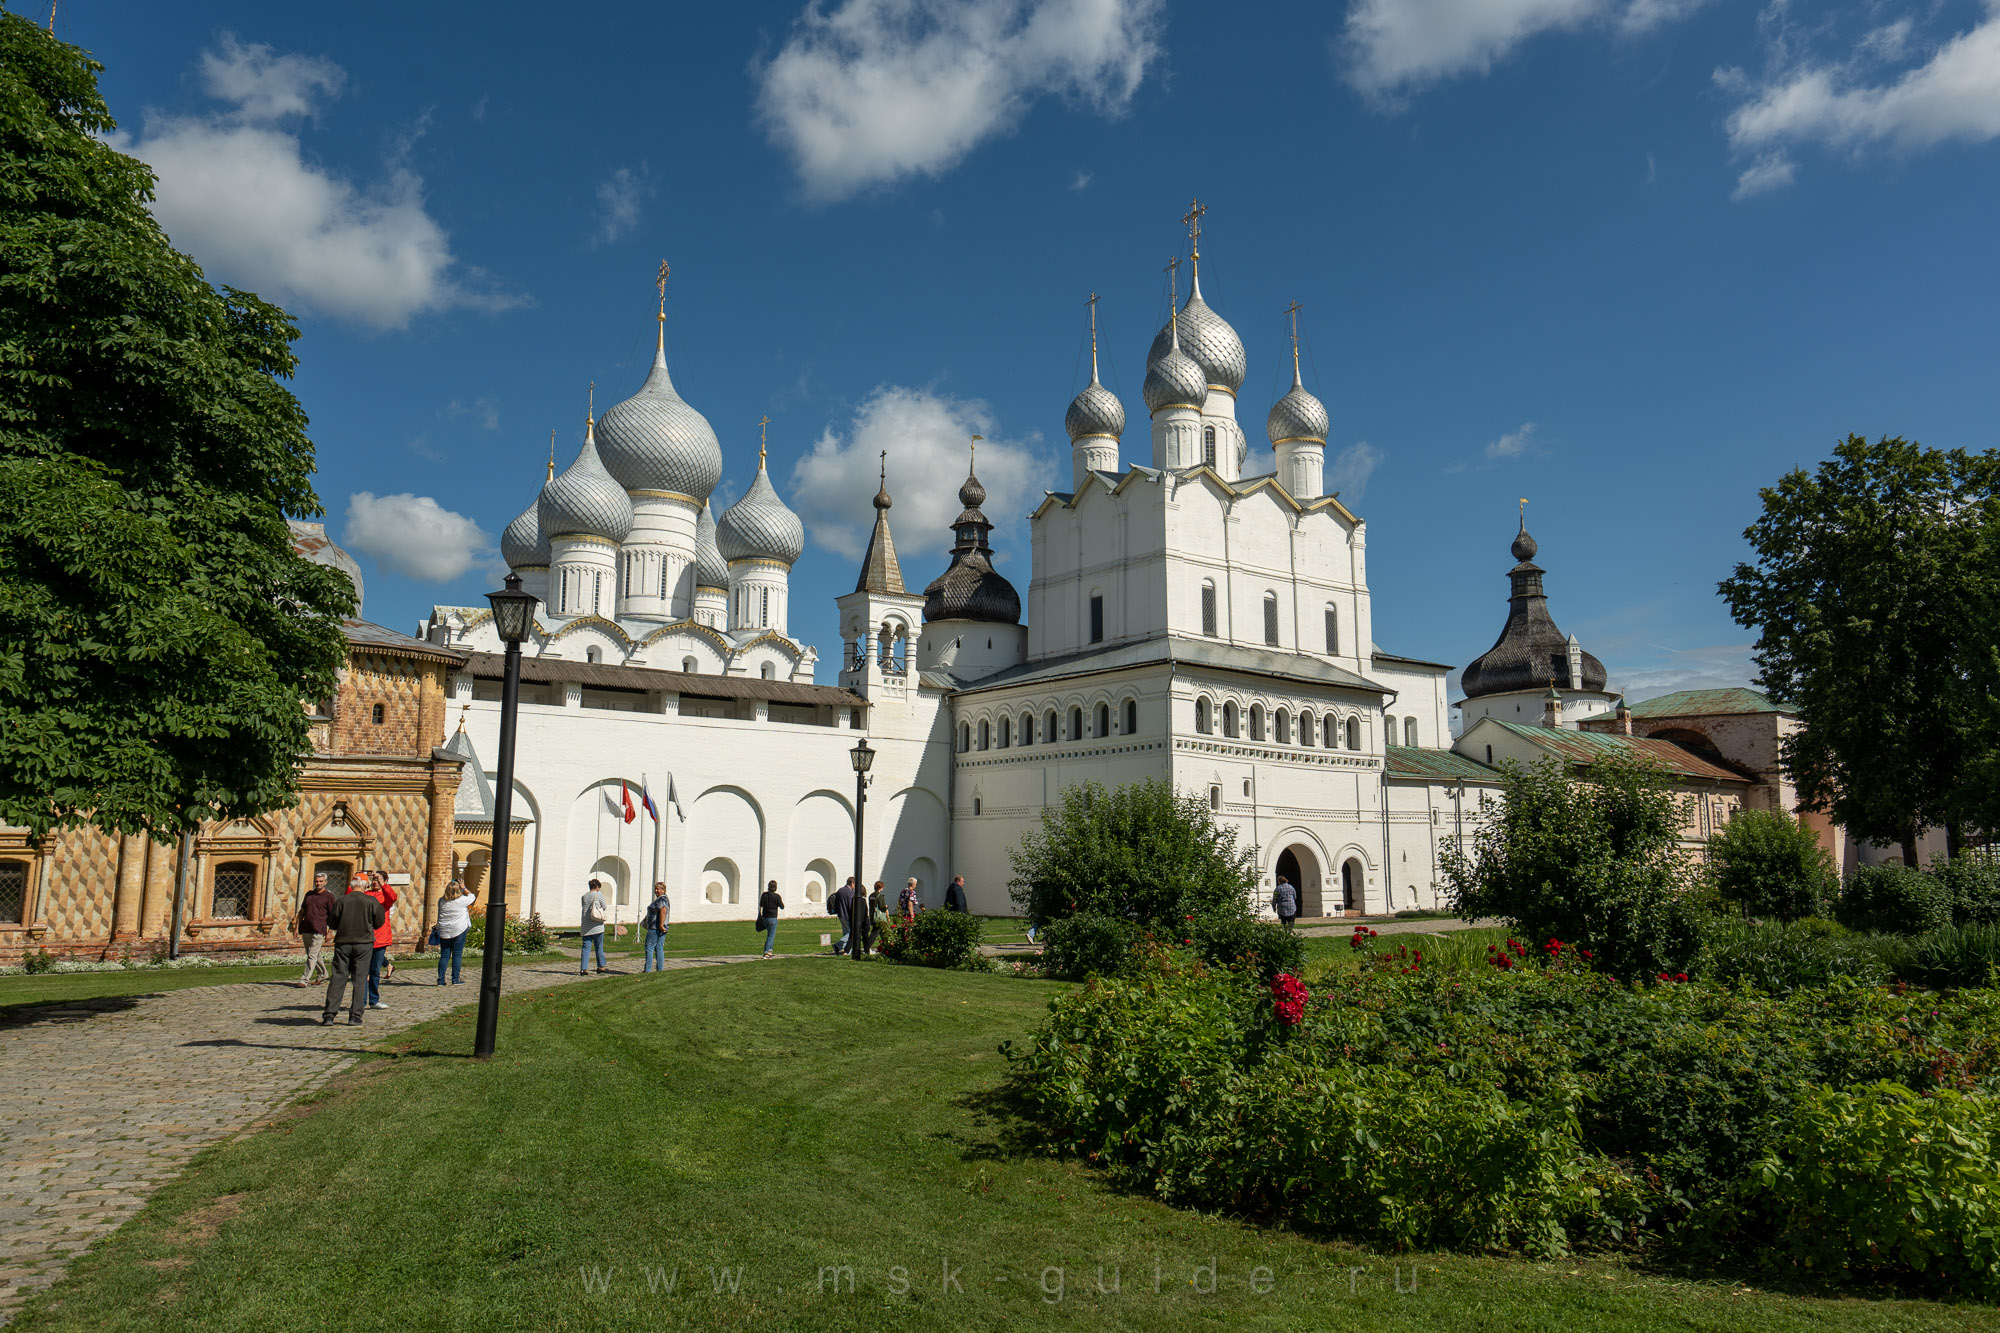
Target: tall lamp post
<point x="863" y="756"/>
<point x="513" y="616"/>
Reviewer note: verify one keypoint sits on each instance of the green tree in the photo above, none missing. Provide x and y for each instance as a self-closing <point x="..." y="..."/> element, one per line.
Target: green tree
<point x="1772" y="865"/>
<point x="1873" y="596"/>
<point x="157" y="631"/>
<point x="1139" y="853"/>
<point x="1593" y="861"/>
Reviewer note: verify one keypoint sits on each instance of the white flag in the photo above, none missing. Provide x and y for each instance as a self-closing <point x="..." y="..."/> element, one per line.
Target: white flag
<point x="611" y="804"/>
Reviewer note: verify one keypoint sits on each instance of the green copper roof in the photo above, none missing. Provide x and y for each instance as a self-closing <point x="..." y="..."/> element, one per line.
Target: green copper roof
<point x="1407" y="761"/>
<point x="1706" y="703"/>
<point x="1587" y="747"/>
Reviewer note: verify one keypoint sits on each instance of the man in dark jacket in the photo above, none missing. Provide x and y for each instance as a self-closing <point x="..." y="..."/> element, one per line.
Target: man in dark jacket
<point x="838" y="904"/>
<point x="312" y="928"/>
<point x="354" y="919"/>
<point x="954" y="894"/>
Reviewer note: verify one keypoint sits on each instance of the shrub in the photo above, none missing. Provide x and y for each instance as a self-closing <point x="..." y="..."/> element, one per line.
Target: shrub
<point x="1138" y="853"/>
<point x="1088" y="944"/>
<point x="1878" y="1182"/>
<point x="1263" y="947"/>
<point x="933" y="939"/>
<point x="1951" y="957"/>
<point x="1974" y="884"/>
<point x="1772" y="865"/>
<point x="37" y="961"/>
<point x="523" y="936"/>
<point x="1780" y="957"/>
<point x="1895" y="900"/>
<point x="1594" y="862"/>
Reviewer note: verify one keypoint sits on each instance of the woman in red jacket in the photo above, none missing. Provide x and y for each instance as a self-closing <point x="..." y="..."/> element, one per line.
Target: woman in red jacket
<point x="382" y="893"/>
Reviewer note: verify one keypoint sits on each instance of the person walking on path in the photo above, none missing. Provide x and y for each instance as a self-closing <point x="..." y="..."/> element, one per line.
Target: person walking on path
<point x="768" y="907"/>
<point x="878" y="908"/>
<point x="312" y="928"/>
<point x="593" y="918"/>
<point x="860" y="924"/>
<point x="1286" y="900"/>
<point x="379" y="966"/>
<point x="454" y="923"/>
<point x="954" y="894"/>
<point x="906" y="901"/>
<point x="354" y="919"/>
<point x="838" y="904"/>
<point x="659" y="914"/>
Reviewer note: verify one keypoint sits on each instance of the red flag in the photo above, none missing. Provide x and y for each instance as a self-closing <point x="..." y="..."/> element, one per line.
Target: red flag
<point x="625" y="795"/>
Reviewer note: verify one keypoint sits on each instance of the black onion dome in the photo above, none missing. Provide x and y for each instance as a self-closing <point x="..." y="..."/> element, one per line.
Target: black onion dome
<point x="970" y="588"/>
<point x="1531" y="652"/>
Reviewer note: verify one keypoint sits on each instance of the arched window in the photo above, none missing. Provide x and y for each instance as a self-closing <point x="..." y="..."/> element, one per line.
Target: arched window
<point x="1208" y="609"/>
<point x="1104" y="719"/>
<point x="1271" y="618"/>
<point x="1131" y="716"/>
<point x="977" y="805"/>
<point x="1256" y="722"/>
<point x="1489" y="759"/>
<point x="13" y="893"/>
<point x="1049" y="732"/>
<point x="1027" y="728"/>
<point x="768" y="671"/>
<point x="1229" y="719"/>
<point x="1282" y="728"/>
<point x="1331" y="730"/>
<point x="690" y="666"/>
<point x="964" y="737"/>
<point x="1097" y="617"/>
<point x="985" y="734"/>
<point x="1208" y="445"/>
<point x="1215" y="796"/>
<point x="375" y="713"/>
<point x="1076" y="724"/>
<point x="234" y="890"/>
<point x="1332" y="630"/>
<point x="1204" y="717"/>
<point x="1353" y="733"/>
<point x="1306" y="727"/>
<point x="1006" y="732"/>
<point x="1410" y="732"/>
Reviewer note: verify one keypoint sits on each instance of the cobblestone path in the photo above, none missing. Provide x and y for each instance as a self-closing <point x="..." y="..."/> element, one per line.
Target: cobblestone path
<point x="108" y="1099"/>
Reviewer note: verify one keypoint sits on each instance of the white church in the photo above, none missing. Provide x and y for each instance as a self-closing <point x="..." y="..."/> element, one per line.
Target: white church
<point x="1183" y="621"/>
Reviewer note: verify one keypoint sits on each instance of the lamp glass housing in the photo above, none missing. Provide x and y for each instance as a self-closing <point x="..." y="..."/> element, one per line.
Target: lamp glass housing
<point x="863" y="756"/>
<point x="513" y="610"/>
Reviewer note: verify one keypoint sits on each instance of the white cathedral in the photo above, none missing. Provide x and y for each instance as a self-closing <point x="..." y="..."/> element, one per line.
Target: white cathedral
<point x="1184" y="621"/>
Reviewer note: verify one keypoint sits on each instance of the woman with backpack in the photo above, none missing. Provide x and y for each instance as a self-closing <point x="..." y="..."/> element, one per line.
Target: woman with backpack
<point x="768" y="907"/>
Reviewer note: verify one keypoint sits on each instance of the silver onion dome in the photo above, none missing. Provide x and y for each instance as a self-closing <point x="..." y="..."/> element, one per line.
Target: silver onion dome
<point x="654" y="441"/>
<point x="710" y="569"/>
<point x="1208" y="338"/>
<point x="585" y="499"/>
<point x="1173" y="380"/>
<point x="1095" y="411"/>
<point x="524" y="545"/>
<point x="1297" y="416"/>
<point x="759" y="526"/>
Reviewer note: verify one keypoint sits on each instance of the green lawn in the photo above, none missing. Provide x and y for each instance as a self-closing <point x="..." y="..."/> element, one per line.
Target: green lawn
<point x="641" y="1142"/>
<point x="796" y="934"/>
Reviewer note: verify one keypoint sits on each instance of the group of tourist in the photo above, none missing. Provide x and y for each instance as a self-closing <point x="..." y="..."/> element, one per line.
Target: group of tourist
<point x="654" y="921"/>
<point x="356" y="924"/>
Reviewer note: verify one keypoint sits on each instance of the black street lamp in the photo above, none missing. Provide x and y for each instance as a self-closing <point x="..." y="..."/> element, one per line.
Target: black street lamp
<point x="513" y="617"/>
<point x="863" y="756"/>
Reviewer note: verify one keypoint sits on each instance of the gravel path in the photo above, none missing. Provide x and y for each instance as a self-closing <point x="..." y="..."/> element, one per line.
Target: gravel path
<point x="108" y="1099"/>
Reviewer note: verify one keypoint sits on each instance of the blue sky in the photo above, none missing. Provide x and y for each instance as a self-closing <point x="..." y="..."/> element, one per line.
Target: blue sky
<point x="1631" y="259"/>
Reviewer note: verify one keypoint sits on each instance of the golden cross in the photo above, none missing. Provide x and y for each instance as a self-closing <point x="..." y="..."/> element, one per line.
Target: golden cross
<point x="663" y="288"/>
<point x="762" y="426"/>
<point x="1092" y="303"/>
<point x="1193" y="221"/>
<point x="590" y="413"/>
<point x="973" y="454"/>
<point x="1524" y="507"/>
<point x="552" y="457"/>
<point x="1173" y="283"/>
<point x="885" y="469"/>
<point x="1293" y="310"/>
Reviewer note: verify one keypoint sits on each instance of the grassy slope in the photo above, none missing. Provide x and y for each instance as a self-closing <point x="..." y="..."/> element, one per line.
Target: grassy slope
<point x="775" y="1118"/>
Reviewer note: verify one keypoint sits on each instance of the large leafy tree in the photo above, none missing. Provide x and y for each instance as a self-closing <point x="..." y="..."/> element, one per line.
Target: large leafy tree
<point x="1873" y="594"/>
<point x="157" y="630"/>
<point x="1139" y="853"/>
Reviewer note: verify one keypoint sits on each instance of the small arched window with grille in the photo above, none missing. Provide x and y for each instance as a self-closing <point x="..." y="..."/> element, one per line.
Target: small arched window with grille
<point x="1027" y="729"/>
<point x="1208" y="619"/>
<point x="1049" y="732"/>
<point x="1229" y="719"/>
<point x="1353" y="733"/>
<point x="1271" y="619"/>
<point x="1256" y="722"/>
<point x="1215" y="796"/>
<point x="1104" y="719"/>
<point x="1282" y="727"/>
<point x="1131" y="716"/>
<point x="1306" y="725"/>
<point x="1332" y="630"/>
<point x="13" y="893"/>
<point x="1204" y="716"/>
<point x="1331" y="729"/>
<point x="1410" y="732"/>
<point x="233" y="891"/>
<point x="985" y="735"/>
<point x="1208" y="445"/>
<point x="1006" y="732"/>
<point x="964" y="737"/>
<point x="1076" y="724"/>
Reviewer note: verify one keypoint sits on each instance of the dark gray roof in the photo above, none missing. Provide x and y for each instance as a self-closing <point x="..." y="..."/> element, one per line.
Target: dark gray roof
<point x="970" y="588"/>
<point x="1531" y="653"/>
<point x="366" y="634"/>
<point x="1209" y="654"/>
<point x="545" y="670"/>
<point x="1379" y="656"/>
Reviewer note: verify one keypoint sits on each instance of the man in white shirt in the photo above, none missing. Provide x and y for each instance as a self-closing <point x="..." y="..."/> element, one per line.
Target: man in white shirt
<point x="593" y="918"/>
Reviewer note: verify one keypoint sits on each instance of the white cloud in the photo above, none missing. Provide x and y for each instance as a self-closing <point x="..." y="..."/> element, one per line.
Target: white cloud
<point x="1081" y="181"/>
<point x="1709" y="667"/>
<point x="1347" y="472"/>
<point x="1771" y="171"/>
<point x="1397" y="46"/>
<point x="1513" y="444"/>
<point x="618" y="202"/>
<point x="926" y="435"/>
<point x="482" y="410"/>
<point x="878" y="90"/>
<point x="414" y="535"/>
<point x="1953" y="95"/>
<point x="237" y="191"/>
